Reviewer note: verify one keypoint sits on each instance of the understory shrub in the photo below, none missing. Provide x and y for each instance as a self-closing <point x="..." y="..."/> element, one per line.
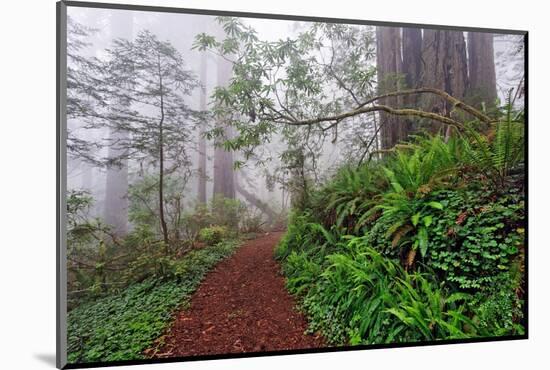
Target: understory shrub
<point x="101" y="262"/>
<point x="213" y="235"/>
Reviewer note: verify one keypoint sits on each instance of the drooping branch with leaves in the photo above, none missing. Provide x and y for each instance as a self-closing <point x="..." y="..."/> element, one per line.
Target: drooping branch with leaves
<point x="291" y="83"/>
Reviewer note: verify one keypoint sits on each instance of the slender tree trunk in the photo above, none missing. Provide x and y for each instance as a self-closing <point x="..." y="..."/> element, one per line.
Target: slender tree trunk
<point x="481" y="68"/>
<point x="163" y="226"/>
<point x="390" y="67"/>
<point x="283" y="205"/>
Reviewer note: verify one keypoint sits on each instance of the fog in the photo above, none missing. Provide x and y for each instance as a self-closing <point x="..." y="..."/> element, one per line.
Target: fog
<point x="259" y="175"/>
<point x="180" y="30"/>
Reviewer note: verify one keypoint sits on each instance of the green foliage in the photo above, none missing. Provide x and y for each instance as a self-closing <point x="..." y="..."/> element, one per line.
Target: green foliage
<point x="409" y="220"/>
<point x="226" y="212"/>
<point x="101" y="263"/>
<point x="303" y="234"/>
<point x="214" y="234"/>
<point x="351" y="256"/>
<point x="363" y="297"/>
<point x="418" y="167"/>
<point x="429" y="312"/>
<point x="350" y="195"/>
<point x="301" y="271"/>
<point x="82" y="231"/>
<point x="499" y="156"/>
<point x="90" y="251"/>
<point x="122" y="326"/>
<point x="261" y="68"/>
<point x="477" y="237"/>
<point x="144" y="205"/>
<point x="294" y="236"/>
<point x="498" y="309"/>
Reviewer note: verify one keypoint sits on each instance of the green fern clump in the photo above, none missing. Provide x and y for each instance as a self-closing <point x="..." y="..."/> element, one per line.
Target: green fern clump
<point x="361" y="297"/>
<point x="350" y="195"/>
<point x="500" y="153"/>
<point x="409" y="248"/>
<point x="295" y="237"/>
<point x="304" y="234"/>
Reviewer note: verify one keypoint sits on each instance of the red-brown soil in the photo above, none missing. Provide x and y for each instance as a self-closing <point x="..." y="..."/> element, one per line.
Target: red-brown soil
<point x="241" y="306"/>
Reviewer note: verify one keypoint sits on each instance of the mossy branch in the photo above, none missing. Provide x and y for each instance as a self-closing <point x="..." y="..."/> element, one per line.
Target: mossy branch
<point x="409" y="112"/>
<point x="379" y="108"/>
<point x="446" y="96"/>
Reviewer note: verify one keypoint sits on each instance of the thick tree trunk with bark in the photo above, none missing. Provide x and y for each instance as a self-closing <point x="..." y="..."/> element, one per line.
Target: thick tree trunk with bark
<point x="412" y="56"/>
<point x="444" y="67"/>
<point x="457" y="73"/>
<point x="390" y="68"/>
<point x="481" y="68"/>
<point x="412" y="67"/>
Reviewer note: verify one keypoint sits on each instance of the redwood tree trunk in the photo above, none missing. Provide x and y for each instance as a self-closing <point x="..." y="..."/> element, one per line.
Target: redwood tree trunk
<point x="481" y="68"/>
<point x="444" y="67"/>
<point x="223" y="160"/>
<point x="223" y="170"/>
<point x="390" y="68"/>
<point x="412" y="68"/>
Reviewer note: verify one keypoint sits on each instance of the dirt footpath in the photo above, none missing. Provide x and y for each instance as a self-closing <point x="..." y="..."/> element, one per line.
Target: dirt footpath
<point x="241" y="306"/>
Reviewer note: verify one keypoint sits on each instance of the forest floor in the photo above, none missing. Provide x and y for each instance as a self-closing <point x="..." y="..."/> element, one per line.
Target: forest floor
<point x="241" y="306"/>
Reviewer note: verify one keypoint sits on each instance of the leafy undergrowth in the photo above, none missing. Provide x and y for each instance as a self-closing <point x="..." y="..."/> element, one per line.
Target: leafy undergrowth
<point x="122" y="326"/>
<point x="427" y="244"/>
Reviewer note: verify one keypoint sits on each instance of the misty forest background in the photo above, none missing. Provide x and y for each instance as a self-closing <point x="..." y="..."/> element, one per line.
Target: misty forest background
<point x="392" y="158"/>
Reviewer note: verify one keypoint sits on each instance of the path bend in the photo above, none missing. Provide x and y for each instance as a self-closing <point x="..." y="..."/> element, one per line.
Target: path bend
<point x="241" y="306"/>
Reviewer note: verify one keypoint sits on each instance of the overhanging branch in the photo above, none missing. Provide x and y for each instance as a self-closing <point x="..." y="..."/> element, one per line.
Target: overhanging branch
<point x="426" y="90"/>
<point x="379" y="108"/>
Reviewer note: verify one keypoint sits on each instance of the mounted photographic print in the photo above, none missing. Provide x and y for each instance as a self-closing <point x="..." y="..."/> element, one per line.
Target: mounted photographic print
<point x="234" y="184"/>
